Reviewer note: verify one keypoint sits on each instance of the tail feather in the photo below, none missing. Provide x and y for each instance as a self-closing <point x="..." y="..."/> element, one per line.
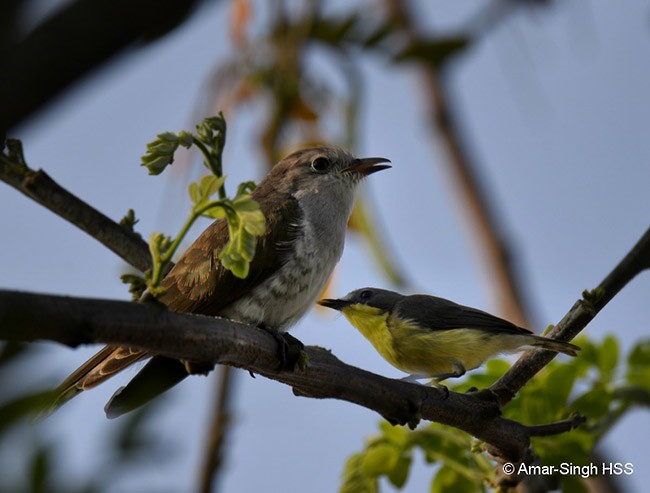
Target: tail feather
<point x="555" y="345"/>
<point x="100" y="367"/>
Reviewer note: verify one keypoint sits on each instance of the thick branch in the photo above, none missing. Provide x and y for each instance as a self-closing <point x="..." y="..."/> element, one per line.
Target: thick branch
<point x="582" y="312"/>
<point x="74" y="41"/>
<point x="38" y="186"/>
<point x="74" y="321"/>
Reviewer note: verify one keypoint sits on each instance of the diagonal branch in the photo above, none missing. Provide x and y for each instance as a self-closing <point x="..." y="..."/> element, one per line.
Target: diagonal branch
<point x="485" y="222"/>
<point x="74" y="321"/>
<point x="38" y="186"/>
<point x="582" y="312"/>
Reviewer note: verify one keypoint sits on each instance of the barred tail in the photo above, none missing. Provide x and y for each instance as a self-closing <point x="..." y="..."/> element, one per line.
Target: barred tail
<point x="100" y="367"/>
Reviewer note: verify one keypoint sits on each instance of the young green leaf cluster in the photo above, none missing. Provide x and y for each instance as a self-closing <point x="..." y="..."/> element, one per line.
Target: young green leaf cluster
<point x="596" y="385"/>
<point x="243" y="215"/>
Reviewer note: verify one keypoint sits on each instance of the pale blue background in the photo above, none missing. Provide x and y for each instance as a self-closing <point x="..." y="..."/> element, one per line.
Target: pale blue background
<point x="556" y="106"/>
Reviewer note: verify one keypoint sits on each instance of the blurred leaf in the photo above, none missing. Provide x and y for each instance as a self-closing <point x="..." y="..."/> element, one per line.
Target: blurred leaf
<point x="608" y="356"/>
<point x="399" y="474"/>
<point x="335" y="30"/>
<point x="638" y="372"/>
<point x="396" y="435"/>
<point x="22" y="407"/>
<point x="354" y="478"/>
<point x="447" y="480"/>
<point x="435" y="51"/>
<point x="559" y="382"/>
<point x="380" y="459"/>
<point x="485" y="377"/>
<point x="40" y="470"/>
<point x="594" y="403"/>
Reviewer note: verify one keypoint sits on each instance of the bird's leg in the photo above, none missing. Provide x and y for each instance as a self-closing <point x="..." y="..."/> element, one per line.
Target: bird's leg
<point x="412" y="378"/>
<point x="458" y="370"/>
<point x="290" y="349"/>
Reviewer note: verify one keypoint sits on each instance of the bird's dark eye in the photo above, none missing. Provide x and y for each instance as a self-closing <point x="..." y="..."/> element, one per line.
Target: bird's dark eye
<point x="320" y="164"/>
<point x="365" y="294"/>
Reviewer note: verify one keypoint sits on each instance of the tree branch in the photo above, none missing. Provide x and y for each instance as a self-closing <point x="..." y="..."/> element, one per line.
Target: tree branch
<point x="74" y="321"/>
<point x="485" y="223"/>
<point x="38" y="185"/>
<point x="582" y="312"/>
<point x="214" y="450"/>
<point x="75" y="40"/>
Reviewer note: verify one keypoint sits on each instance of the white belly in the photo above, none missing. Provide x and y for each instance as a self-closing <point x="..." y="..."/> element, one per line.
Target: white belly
<point x="283" y="298"/>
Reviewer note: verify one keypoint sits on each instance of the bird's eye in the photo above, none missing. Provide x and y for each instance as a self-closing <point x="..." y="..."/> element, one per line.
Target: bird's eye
<point x="320" y="164"/>
<point x="365" y="294"/>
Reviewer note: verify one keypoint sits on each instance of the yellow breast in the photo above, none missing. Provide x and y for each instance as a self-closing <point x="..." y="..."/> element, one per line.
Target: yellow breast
<point x="422" y="351"/>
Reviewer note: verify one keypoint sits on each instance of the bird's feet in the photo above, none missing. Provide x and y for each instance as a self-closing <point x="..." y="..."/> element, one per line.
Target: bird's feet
<point x="290" y="349"/>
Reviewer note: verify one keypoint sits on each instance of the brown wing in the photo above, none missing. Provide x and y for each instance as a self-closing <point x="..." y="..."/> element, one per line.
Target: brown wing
<point x="198" y="283"/>
<point x="100" y="367"/>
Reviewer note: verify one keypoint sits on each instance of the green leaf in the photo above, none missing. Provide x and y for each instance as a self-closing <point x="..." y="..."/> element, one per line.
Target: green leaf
<point x="608" y="356"/>
<point x="40" y="469"/>
<point x="216" y="211"/>
<point x="559" y="384"/>
<point x="396" y="435"/>
<point x="400" y="471"/>
<point x="129" y="220"/>
<point x="210" y="184"/>
<point x="380" y="459"/>
<point x="354" y="478"/>
<point x="447" y="480"/>
<point x="594" y="403"/>
<point x="245" y="187"/>
<point x="195" y="193"/>
<point x="638" y="372"/>
<point x="137" y="285"/>
<point x="186" y="139"/>
<point x="156" y="164"/>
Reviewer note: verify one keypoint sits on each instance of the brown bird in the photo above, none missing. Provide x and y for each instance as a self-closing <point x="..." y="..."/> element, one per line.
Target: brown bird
<point x="306" y="200"/>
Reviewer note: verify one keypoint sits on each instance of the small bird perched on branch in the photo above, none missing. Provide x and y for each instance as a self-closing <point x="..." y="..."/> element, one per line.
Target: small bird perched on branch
<point x="430" y="337"/>
<point x="306" y="200"/>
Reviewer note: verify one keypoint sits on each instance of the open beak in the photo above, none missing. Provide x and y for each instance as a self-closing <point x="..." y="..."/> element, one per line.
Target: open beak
<point x="334" y="304"/>
<point x="366" y="166"/>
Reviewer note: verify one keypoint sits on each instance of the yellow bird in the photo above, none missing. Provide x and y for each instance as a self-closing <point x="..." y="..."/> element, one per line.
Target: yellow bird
<point x="430" y="337"/>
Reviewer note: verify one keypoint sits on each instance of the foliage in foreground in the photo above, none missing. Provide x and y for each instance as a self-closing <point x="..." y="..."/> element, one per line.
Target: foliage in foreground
<point x="598" y="384"/>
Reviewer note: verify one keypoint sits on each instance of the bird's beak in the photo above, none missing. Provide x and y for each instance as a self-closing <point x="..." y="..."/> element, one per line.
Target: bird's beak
<point x="367" y="166"/>
<point x="335" y="304"/>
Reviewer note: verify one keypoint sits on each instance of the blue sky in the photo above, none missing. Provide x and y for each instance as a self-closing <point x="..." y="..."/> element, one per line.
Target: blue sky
<point x="556" y="108"/>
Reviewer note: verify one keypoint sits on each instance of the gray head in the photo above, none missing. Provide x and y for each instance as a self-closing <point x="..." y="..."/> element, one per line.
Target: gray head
<point x="327" y="169"/>
<point x="374" y="297"/>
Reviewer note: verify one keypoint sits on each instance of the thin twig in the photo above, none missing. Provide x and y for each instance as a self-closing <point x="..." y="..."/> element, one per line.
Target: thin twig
<point x="582" y="312"/>
<point x="213" y="457"/>
<point x="558" y="427"/>
<point x="38" y="186"/>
